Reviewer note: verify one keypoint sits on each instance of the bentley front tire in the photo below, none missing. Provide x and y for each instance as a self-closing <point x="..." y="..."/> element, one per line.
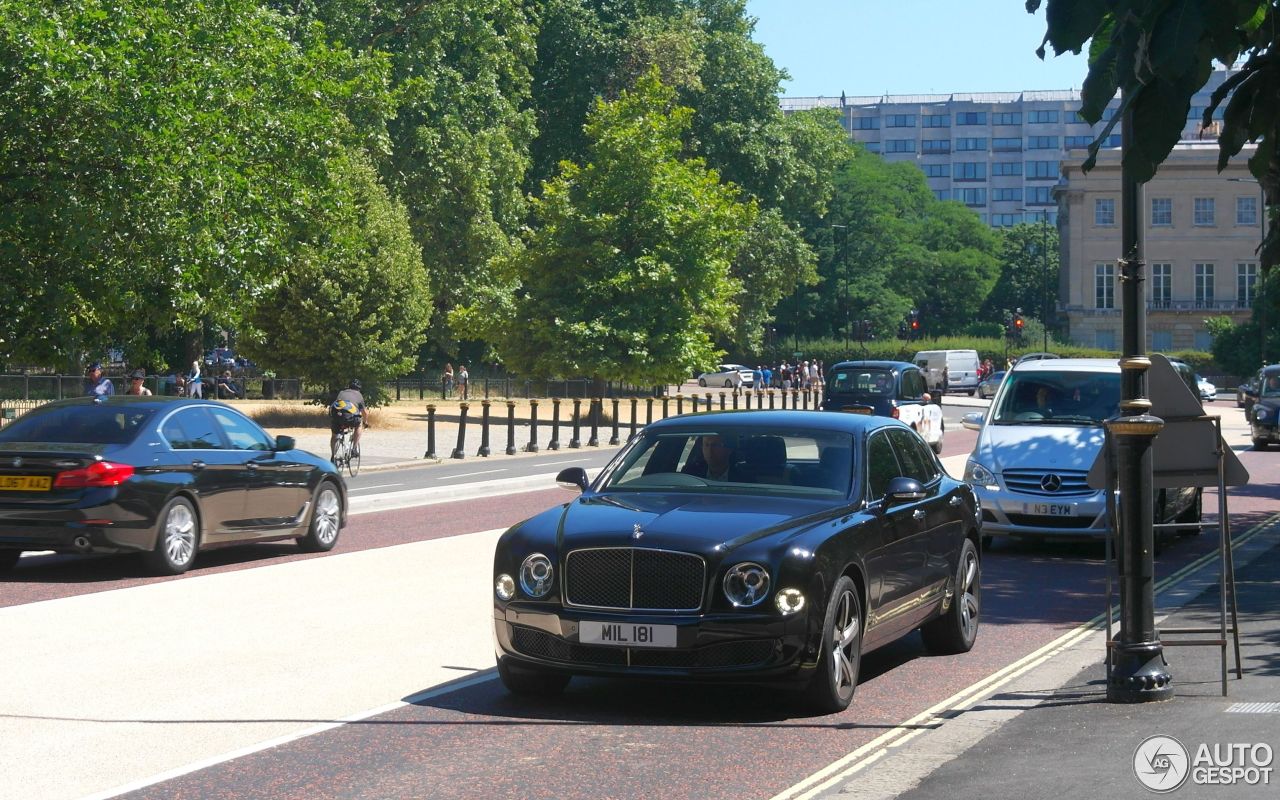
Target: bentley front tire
<point x="956" y="630"/>
<point x="833" y="683"/>
<point x="526" y="681"/>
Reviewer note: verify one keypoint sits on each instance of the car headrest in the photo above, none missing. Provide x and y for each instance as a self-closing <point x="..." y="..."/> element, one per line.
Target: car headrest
<point x="766" y="451"/>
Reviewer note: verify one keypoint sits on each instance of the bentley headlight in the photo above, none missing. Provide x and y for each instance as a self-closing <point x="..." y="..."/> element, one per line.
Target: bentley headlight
<point x="746" y="584"/>
<point x="504" y="587"/>
<point x="789" y="601"/>
<point x="536" y="574"/>
<point x="1259" y="412"/>
<point x="977" y="474"/>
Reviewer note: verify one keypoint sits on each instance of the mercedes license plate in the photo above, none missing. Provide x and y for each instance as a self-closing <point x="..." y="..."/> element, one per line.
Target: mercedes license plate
<point x="626" y="634"/>
<point x="25" y="483"/>
<point x="1050" y="509"/>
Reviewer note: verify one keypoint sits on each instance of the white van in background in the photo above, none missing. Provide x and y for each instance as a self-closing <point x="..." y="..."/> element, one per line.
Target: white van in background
<point x="962" y="369"/>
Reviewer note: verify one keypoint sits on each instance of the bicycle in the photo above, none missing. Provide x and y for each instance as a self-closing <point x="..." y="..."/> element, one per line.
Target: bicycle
<point x="346" y="456"/>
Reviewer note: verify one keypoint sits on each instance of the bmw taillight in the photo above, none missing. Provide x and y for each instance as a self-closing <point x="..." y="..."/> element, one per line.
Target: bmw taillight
<point x="96" y="475"/>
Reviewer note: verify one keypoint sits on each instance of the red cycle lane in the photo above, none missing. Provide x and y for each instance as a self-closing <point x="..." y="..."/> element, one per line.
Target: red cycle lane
<point x="615" y="739"/>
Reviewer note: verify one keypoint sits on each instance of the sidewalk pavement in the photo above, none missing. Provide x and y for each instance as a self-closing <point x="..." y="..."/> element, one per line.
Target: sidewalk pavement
<point x="1052" y="734"/>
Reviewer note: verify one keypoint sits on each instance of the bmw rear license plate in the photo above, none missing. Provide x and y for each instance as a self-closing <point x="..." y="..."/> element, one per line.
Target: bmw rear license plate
<point x="25" y="483"/>
<point x="1050" y="509"/>
<point x="626" y="634"/>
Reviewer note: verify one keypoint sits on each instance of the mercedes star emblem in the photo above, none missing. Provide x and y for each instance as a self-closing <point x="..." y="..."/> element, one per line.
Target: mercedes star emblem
<point x="1051" y="483"/>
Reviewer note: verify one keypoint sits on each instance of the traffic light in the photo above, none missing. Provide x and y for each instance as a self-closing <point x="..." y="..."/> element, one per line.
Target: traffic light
<point x="1018" y="324"/>
<point x="915" y="324"/>
<point x="865" y="334"/>
<point x="902" y="330"/>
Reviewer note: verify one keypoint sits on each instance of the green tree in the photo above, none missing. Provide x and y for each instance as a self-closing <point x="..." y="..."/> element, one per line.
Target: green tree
<point x="1028" y="256"/>
<point x="352" y="300"/>
<point x="626" y="274"/>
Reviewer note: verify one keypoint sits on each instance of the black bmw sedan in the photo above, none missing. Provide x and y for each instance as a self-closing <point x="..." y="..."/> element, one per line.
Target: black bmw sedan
<point x="164" y="477"/>
<point x="756" y="546"/>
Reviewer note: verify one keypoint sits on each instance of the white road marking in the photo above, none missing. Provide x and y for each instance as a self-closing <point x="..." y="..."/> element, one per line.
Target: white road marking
<point x="469" y="474"/>
<point x="567" y="461"/>
<point x="368" y="488"/>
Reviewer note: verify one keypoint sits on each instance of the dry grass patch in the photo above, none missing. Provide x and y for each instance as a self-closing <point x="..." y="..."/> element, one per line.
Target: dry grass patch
<point x="310" y="416"/>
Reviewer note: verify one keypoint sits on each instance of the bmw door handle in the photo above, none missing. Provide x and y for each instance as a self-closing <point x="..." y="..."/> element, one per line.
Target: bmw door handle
<point x="955" y="501"/>
<point x="198" y="464"/>
<point x="252" y="466"/>
<point x="918" y="514"/>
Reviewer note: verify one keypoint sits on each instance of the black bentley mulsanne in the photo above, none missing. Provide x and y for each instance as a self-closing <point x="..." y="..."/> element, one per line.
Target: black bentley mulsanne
<point x="1264" y="411"/>
<point x="746" y="546"/>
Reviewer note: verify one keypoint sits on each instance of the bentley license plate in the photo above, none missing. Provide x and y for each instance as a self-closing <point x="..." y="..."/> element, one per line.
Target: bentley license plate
<point x="626" y="634"/>
<point x="25" y="483"/>
<point x="1050" y="509"/>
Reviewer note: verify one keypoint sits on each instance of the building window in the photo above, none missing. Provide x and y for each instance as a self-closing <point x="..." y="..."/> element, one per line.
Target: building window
<point x="1040" y="195"/>
<point x="1195" y="113"/>
<point x="936" y="170"/>
<point x="1104" y="211"/>
<point x="1007" y="118"/>
<point x="1203" y="214"/>
<point x="872" y="147"/>
<point x="1006" y="194"/>
<point x="1104" y="286"/>
<point x="935" y="121"/>
<point x="971" y="118"/>
<point x="1161" y="285"/>
<point x="1077" y="142"/>
<point x="1246" y="283"/>
<point x="1204" y="286"/>
<point x="970" y="171"/>
<point x="1162" y="211"/>
<point x="1042" y="116"/>
<point x="1113" y="140"/>
<point x="1042" y="169"/>
<point x="936" y="146"/>
<point x="971" y="144"/>
<point x="1104" y="340"/>
<point x="899" y="121"/>
<point x="1162" y="341"/>
<point x="1007" y="144"/>
<point x="1005" y="220"/>
<point x="972" y="197"/>
<point x="1247" y="210"/>
<point x="1109" y="113"/>
<point x="900" y="145"/>
<point x="1042" y="142"/>
<point x="941" y="194"/>
<point x="1204" y="341"/>
<point x="866" y="123"/>
<point x="1006" y="168"/>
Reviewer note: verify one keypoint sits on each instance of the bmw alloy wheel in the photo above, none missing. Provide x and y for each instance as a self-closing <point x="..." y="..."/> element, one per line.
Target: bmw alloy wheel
<point x="326" y="520"/>
<point x="180" y="534"/>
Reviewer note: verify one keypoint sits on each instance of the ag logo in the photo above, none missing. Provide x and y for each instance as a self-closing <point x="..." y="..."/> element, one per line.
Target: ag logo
<point x="1161" y="764"/>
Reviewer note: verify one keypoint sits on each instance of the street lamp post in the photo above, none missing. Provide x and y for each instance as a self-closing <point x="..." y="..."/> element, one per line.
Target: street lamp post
<point x="1262" y="267"/>
<point x="1139" y="671"/>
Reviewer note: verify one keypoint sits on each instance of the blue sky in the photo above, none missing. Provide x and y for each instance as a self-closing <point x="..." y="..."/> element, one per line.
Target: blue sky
<point x="870" y="47"/>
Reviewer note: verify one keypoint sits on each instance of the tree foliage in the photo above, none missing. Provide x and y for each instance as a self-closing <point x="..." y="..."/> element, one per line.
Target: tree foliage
<point x="626" y="274"/>
<point x="353" y="300"/>
<point x="1029" y="264"/>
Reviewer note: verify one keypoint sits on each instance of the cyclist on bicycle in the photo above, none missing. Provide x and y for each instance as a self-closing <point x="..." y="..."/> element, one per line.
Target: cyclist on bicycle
<point x="346" y="412"/>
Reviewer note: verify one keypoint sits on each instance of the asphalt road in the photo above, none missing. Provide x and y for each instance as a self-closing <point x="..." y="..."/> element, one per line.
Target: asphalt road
<point x="231" y="681"/>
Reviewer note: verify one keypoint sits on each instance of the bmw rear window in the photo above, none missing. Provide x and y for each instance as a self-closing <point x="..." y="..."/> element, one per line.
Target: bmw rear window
<point x="78" y="424"/>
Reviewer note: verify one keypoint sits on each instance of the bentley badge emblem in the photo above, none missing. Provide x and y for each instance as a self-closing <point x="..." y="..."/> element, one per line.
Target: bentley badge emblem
<point x="17" y="462"/>
<point x="636" y="532"/>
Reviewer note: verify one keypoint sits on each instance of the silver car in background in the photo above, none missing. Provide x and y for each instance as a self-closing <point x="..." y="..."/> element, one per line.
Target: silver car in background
<point x="1036" y="444"/>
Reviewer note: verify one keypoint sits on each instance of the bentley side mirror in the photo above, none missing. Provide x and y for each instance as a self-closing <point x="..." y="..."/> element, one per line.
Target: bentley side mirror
<point x="572" y="478"/>
<point x="972" y="421"/>
<point x="905" y="490"/>
<point x="285" y="443"/>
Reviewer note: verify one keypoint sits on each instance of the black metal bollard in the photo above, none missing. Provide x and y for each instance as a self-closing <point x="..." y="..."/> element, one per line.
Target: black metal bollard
<point x="459" y="452"/>
<point x="511" y="427"/>
<point x="484" y="429"/>
<point x="554" y="444"/>
<point x="694" y="398"/>
<point x="666" y="404"/>
<point x="708" y="401"/>
<point x="532" y="446"/>
<point x="806" y="399"/>
<point x="735" y="400"/>
<point x="648" y="410"/>
<point x="679" y="404"/>
<point x="597" y="407"/>
<point x="770" y="399"/>
<point x="722" y="401"/>
<point x="431" y="432"/>
<point x="795" y="399"/>
<point x="784" y="399"/>
<point x="613" y="439"/>
<point x="574" y="441"/>
<point x="634" y="403"/>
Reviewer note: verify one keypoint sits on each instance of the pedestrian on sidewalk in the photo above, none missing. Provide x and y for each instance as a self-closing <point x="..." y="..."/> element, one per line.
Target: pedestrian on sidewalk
<point x="463" y="378"/>
<point x="446" y="381"/>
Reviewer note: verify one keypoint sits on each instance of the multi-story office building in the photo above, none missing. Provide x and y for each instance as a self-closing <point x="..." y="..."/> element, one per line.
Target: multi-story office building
<point x="1000" y="153"/>
<point x="1201" y="230"/>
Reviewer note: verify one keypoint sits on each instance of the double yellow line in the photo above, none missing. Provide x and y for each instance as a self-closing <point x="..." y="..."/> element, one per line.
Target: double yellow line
<point x="935" y="715"/>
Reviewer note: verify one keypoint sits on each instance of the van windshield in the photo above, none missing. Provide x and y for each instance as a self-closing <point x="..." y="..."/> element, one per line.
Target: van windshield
<point x="1064" y="398"/>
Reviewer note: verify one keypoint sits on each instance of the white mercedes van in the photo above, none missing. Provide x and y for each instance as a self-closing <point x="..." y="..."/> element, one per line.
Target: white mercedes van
<point x="962" y="369"/>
